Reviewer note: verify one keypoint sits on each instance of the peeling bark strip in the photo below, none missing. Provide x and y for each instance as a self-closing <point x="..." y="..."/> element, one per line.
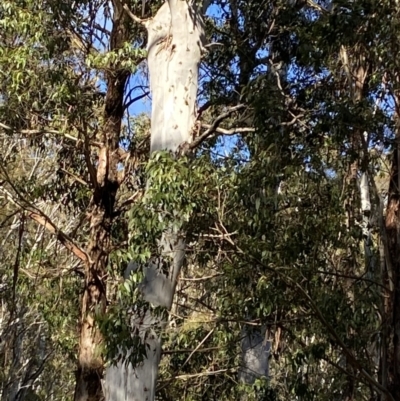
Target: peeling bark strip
<point x="175" y="43"/>
<point x="90" y="364"/>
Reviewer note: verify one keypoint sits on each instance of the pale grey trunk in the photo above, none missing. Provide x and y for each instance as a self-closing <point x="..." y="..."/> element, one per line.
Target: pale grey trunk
<point x="370" y="262"/>
<point x="125" y="382"/>
<point x="175" y="42"/>
<point x="255" y="353"/>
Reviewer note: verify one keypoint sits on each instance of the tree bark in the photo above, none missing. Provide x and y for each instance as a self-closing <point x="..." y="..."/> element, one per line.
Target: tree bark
<point x="255" y="354"/>
<point x="175" y="43"/>
<point x="393" y="305"/>
<point x="105" y="182"/>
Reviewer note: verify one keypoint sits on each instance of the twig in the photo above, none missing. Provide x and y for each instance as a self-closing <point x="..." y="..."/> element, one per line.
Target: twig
<point x="184" y="351"/>
<point x="201" y="278"/>
<point x="208" y="373"/>
<point x="200" y="344"/>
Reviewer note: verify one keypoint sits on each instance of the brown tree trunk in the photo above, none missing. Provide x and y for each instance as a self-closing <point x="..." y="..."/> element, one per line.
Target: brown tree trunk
<point x="105" y="182"/>
<point x="393" y="304"/>
<point x="356" y="69"/>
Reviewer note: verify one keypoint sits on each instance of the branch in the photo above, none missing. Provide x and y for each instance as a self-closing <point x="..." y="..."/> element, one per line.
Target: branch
<point x="46" y="131"/>
<point x="135" y="99"/>
<point x="127" y="202"/>
<point x="36" y="131"/>
<point x="200" y="278"/>
<point x="41" y="218"/>
<point x="317" y="7"/>
<point x="207" y="373"/>
<point x="231" y="131"/>
<point x="44" y="221"/>
<point x="214" y="127"/>
<point x="78" y="42"/>
<point x="294" y="120"/>
<point x="143" y="22"/>
<point x="17" y="257"/>
<point x="131" y="90"/>
<point x="194" y="375"/>
<point x="83" y="182"/>
<point x="184" y="351"/>
<point x="203" y="108"/>
<point x="89" y="164"/>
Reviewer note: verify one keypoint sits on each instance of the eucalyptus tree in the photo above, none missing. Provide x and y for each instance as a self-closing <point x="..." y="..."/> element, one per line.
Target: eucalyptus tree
<point x="49" y="91"/>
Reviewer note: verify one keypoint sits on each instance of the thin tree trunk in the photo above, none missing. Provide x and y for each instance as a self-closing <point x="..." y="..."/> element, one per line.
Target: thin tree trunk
<point x="14" y="344"/>
<point x="393" y="237"/>
<point x="105" y="182"/>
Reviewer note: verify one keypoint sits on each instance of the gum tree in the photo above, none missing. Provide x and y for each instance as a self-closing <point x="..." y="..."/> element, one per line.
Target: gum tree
<point x="175" y="43"/>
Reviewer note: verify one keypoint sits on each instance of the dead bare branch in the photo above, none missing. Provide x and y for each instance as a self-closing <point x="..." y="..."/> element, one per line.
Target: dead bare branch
<point x="40" y="217"/>
<point x="231" y="131"/>
<point x="135" y="99"/>
<point x="214" y="127"/>
<point x="143" y="22"/>
<point x="199" y="345"/>
<point x="75" y="177"/>
<point x="64" y="239"/>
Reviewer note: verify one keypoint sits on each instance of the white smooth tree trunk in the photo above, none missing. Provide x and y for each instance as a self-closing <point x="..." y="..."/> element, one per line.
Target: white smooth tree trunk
<point x="366" y="226"/>
<point x="175" y="44"/>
